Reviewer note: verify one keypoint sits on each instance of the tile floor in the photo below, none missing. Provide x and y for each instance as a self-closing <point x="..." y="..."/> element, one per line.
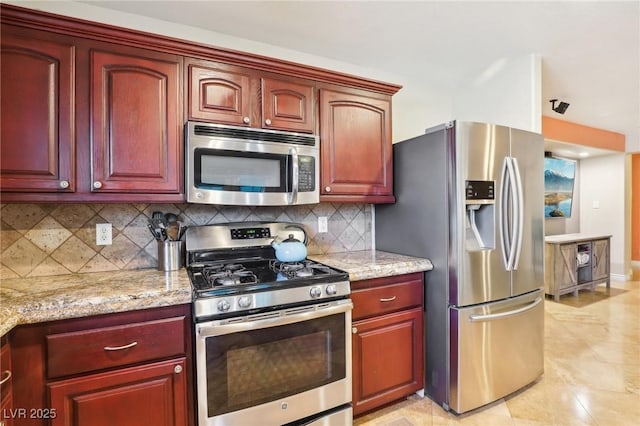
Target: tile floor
<point x="591" y="377"/>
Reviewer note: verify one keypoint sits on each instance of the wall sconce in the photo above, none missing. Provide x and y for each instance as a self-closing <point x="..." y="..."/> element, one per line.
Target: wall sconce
<point x="561" y="108"/>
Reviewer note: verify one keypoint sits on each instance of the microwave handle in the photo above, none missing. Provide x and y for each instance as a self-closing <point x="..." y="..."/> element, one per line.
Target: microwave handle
<point x="293" y="195"/>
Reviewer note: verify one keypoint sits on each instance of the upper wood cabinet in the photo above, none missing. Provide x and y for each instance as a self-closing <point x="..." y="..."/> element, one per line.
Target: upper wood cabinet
<point x="355" y="144"/>
<point x="37" y="114"/>
<point x="244" y="97"/>
<point x="135" y="122"/>
<point x="84" y="120"/>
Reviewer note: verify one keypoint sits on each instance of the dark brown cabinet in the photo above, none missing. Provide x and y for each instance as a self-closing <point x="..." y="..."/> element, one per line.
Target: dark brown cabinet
<point x="127" y="368"/>
<point x="135" y="122"/>
<point x="84" y="120"/>
<point x="239" y="96"/>
<point x="6" y="378"/>
<point x="387" y="340"/>
<point x="153" y="394"/>
<point x="355" y="145"/>
<point x="37" y="153"/>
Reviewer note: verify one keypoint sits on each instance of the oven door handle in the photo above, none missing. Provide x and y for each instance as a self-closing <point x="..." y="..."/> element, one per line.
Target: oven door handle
<point x="274" y="319"/>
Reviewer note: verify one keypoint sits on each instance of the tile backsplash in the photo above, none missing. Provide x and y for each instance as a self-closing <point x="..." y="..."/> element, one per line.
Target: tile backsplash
<point x="58" y="239"/>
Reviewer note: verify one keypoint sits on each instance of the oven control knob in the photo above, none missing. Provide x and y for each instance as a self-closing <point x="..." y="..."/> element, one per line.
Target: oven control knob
<point x="315" y="292"/>
<point x="244" y="301"/>
<point x="331" y="290"/>
<point x="223" y="305"/>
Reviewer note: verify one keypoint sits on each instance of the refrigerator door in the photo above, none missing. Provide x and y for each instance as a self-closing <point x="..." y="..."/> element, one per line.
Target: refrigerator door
<point x="496" y="349"/>
<point x="477" y="269"/>
<point x="527" y="149"/>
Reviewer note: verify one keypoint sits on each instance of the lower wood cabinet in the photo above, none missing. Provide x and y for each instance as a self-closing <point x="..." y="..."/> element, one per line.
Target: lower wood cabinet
<point x="6" y="392"/>
<point x="125" y="369"/>
<point x="387" y="340"/>
<point x="151" y="394"/>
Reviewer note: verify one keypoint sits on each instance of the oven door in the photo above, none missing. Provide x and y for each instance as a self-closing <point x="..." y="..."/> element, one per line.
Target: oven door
<point x="274" y="368"/>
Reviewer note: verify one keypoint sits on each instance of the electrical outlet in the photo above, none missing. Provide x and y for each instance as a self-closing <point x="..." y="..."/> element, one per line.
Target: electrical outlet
<point x="103" y="234"/>
<point x="323" y="226"/>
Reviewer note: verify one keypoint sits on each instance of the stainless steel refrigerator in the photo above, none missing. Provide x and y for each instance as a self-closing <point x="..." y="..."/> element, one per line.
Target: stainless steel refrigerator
<point x="469" y="196"/>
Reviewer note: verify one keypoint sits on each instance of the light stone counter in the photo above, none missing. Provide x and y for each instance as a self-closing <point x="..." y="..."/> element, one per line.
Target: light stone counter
<point x="367" y="264"/>
<point x="32" y="300"/>
<point x="573" y="238"/>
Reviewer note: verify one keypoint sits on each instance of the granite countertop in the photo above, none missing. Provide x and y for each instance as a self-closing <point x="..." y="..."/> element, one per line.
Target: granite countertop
<point x="572" y="238"/>
<point x="367" y="264"/>
<point x="32" y="300"/>
<point x="40" y="299"/>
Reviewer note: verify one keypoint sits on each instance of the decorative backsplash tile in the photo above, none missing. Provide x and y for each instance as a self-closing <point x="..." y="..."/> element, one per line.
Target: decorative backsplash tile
<point x="58" y="239"/>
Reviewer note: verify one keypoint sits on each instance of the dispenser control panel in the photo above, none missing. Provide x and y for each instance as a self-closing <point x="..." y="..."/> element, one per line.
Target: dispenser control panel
<point x="479" y="191"/>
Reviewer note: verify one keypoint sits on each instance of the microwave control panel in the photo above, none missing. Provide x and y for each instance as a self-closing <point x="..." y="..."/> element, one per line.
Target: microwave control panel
<point x="306" y="174"/>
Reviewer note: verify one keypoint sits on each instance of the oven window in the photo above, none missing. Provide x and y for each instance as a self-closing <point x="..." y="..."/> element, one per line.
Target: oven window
<point x="241" y="171"/>
<point x="258" y="366"/>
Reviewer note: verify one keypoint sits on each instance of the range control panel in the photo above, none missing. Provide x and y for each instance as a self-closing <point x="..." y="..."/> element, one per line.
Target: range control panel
<point x="480" y="190"/>
<point x="249" y="233"/>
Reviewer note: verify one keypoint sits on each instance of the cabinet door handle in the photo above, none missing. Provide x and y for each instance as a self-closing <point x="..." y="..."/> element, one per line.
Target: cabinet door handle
<point x="97" y="184"/>
<point x="354" y="330"/>
<point x="177" y="369"/>
<point x="246" y="120"/>
<point x="388" y="299"/>
<point x="120" y="348"/>
<point x="64" y="184"/>
<point x="7" y="376"/>
<point x="327" y="188"/>
<point x="267" y="122"/>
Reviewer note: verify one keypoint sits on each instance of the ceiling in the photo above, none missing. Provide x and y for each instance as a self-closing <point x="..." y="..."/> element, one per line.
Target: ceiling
<point x="590" y="50"/>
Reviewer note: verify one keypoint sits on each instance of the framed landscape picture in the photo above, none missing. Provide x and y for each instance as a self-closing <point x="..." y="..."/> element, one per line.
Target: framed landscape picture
<point x="559" y="177"/>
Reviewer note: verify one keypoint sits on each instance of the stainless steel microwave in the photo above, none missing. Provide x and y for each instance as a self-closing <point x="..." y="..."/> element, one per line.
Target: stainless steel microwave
<point x="242" y="166"/>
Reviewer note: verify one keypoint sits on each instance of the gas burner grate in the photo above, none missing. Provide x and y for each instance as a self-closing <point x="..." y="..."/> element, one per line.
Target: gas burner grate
<point x="305" y="268"/>
<point x="228" y="274"/>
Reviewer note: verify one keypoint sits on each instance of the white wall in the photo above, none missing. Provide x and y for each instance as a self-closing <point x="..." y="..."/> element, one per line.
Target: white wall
<point x="507" y="92"/>
<point x="603" y="206"/>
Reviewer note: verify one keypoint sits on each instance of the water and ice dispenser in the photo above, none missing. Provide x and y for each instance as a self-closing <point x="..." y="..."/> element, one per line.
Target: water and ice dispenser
<point x="480" y="215"/>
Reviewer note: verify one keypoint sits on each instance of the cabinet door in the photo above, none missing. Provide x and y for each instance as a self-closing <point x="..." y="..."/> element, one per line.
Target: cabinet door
<point x="6" y="397"/>
<point x="566" y="271"/>
<point x="153" y="394"/>
<point x="219" y="95"/>
<point x="600" y="260"/>
<point x="288" y="106"/>
<point x="37" y="114"/>
<point x="136" y="123"/>
<point x="387" y="358"/>
<point x="355" y="148"/>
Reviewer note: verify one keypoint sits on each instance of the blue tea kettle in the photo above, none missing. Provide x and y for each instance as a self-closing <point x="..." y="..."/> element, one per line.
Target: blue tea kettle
<point x="291" y="249"/>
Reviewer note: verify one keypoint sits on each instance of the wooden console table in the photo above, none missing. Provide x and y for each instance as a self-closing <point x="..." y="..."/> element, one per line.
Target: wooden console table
<point x="575" y="261"/>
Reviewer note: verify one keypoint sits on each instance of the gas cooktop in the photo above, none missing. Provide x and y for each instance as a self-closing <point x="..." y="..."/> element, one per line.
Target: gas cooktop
<point x="234" y="271"/>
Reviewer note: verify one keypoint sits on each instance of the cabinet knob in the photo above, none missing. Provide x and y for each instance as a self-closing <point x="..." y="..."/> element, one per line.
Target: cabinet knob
<point x="246" y="120"/>
<point x="97" y="184"/>
<point x="267" y="122"/>
<point x="64" y="184"/>
<point x="354" y="330"/>
<point x="327" y="188"/>
<point x="177" y="369"/>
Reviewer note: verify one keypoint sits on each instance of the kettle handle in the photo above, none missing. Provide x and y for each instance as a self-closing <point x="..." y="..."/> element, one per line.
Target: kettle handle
<point x="293" y="225"/>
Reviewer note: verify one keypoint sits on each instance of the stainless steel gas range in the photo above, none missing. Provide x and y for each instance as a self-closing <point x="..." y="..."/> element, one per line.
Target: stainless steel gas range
<point x="272" y="339"/>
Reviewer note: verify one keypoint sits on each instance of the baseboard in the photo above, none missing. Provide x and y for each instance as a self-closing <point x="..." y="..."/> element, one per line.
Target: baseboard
<point x="620" y="277"/>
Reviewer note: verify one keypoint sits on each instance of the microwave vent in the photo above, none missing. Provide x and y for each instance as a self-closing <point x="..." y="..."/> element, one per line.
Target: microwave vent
<point x="254" y="135"/>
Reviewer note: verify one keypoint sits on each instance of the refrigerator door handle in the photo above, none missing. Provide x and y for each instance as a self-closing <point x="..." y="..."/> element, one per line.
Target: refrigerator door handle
<point x="509" y="223"/>
<point x="489" y="317"/>
<point x="519" y="215"/>
<point x="503" y="212"/>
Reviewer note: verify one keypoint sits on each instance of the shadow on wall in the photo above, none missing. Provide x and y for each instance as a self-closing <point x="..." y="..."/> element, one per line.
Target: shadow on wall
<point x="48" y="239"/>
